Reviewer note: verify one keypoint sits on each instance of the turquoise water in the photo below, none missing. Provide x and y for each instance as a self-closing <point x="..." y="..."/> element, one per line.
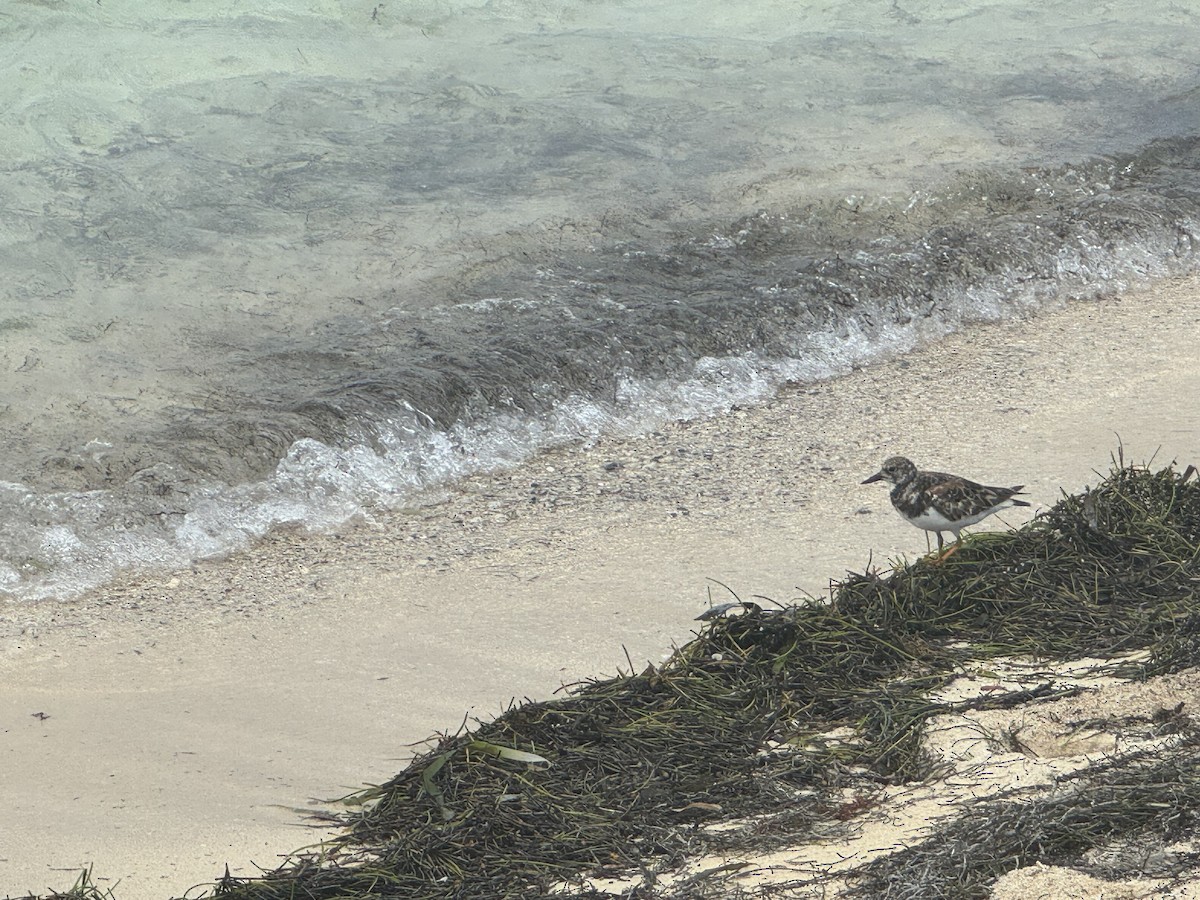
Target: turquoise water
<point x="271" y="263"/>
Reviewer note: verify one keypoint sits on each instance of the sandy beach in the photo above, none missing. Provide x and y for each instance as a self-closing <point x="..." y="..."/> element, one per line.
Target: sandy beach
<point x="161" y="729"/>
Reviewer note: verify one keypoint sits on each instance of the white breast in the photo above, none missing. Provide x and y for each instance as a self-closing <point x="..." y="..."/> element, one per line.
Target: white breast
<point x="932" y="520"/>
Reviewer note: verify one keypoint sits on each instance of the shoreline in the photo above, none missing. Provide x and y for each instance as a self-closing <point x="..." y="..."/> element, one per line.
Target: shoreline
<point x="197" y="711"/>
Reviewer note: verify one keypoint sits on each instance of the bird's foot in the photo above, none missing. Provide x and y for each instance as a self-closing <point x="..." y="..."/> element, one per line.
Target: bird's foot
<point x="942" y="557"/>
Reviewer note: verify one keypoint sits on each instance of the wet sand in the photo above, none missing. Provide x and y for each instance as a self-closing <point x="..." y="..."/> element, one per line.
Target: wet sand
<point x="160" y="729"/>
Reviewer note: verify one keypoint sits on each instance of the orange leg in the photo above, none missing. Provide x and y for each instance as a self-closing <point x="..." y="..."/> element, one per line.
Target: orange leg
<point x="942" y="557"/>
<point x="953" y="549"/>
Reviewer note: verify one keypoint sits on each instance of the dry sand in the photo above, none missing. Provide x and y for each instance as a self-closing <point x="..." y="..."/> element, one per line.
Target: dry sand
<point x="161" y="729"/>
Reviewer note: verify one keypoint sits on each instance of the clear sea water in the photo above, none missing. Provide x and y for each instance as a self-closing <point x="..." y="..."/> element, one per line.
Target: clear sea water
<point x="270" y="262"/>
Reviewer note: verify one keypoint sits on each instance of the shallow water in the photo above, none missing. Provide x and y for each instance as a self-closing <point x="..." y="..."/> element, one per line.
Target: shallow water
<point x="292" y="262"/>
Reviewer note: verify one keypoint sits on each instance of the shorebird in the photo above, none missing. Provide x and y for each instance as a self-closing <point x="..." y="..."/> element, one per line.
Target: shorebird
<point x="939" y="502"/>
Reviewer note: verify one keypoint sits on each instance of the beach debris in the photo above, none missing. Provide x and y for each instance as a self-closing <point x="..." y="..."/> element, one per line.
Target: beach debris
<point x="510" y="753"/>
<point x="714" y="612"/>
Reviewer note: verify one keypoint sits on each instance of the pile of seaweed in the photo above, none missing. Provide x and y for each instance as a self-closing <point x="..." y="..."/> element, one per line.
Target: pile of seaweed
<point x="623" y="778"/>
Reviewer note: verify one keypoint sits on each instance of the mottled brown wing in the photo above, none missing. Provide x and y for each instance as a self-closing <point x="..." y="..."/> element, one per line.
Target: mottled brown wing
<point x="965" y="496"/>
<point x="953" y="489"/>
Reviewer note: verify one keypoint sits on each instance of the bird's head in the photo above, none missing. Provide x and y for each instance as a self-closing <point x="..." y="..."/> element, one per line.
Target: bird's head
<point x="896" y="470"/>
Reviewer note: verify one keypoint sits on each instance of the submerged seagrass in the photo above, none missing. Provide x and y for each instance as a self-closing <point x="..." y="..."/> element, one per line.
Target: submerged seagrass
<point x="730" y="728"/>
